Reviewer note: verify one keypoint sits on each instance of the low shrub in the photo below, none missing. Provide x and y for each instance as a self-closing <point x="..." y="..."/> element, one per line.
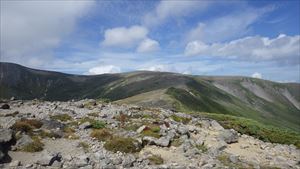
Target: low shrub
<point x="101" y="134"/>
<point x="122" y="144"/>
<point x="61" y="117"/>
<point x="156" y="160"/>
<point x="26" y="125"/>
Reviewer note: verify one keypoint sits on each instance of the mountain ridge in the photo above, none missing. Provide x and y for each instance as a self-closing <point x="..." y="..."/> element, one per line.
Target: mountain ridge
<point x="262" y="100"/>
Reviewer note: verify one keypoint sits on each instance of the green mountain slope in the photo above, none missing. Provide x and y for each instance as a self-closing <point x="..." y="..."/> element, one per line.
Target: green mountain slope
<point x="264" y="101"/>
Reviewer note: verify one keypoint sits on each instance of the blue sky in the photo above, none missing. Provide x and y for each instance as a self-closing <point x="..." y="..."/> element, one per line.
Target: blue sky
<point x="247" y="38"/>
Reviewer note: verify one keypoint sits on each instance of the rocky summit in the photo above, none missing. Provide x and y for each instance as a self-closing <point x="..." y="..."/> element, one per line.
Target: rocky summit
<point x="94" y="134"/>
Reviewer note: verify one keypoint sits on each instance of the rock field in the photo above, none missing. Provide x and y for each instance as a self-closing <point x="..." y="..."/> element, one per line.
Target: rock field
<point x="91" y="134"/>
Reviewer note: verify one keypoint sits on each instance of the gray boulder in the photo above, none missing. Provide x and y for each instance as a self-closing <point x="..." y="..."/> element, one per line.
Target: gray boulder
<point x="52" y="124"/>
<point x="230" y="136"/>
<point x="183" y="130"/>
<point x="5" y="135"/>
<point x="163" y="142"/>
<point x="128" y="161"/>
<point x="47" y="159"/>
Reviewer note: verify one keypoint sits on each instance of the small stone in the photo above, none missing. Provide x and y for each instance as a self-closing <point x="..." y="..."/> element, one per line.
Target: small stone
<point x="183" y="130"/>
<point x="85" y="125"/>
<point x="15" y="163"/>
<point x="234" y="158"/>
<point x="139" y="130"/>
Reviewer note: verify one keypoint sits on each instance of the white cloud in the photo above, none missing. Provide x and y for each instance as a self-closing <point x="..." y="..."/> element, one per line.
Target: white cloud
<point x="159" y="68"/>
<point x="173" y="9"/>
<point x="104" y="69"/>
<point x="147" y="46"/>
<point x="30" y="30"/>
<point x="256" y="75"/>
<point x="124" y="37"/>
<point x="282" y="48"/>
<point x="227" y="27"/>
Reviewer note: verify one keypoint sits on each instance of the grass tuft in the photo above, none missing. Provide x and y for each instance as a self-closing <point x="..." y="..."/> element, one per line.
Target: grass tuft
<point x="156" y="160"/>
<point x="35" y="146"/>
<point x="101" y="134"/>
<point x="152" y="131"/>
<point x="61" y="117"/>
<point x="122" y="144"/>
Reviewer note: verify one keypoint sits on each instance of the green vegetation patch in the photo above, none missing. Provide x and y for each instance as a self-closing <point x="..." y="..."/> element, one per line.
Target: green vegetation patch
<point x="122" y="144"/>
<point x="183" y="120"/>
<point x="61" y="117"/>
<point x="98" y="124"/>
<point x="256" y="129"/>
<point x="152" y="131"/>
<point x="156" y="160"/>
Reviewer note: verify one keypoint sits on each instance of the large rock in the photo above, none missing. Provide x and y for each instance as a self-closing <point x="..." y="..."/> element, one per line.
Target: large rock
<point x="163" y="142"/>
<point x="52" y="124"/>
<point x="47" y="158"/>
<point x="5" y="135"/>
<point x="215" y="125"/>
<point x="230" y="136"/>
<point x="183" y="130"/>
<point x="128" y="161"/>
<point x="5" y="106"/>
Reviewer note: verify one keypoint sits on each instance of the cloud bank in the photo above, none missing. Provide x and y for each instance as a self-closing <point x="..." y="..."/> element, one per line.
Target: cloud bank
<point x="282" y="48"/>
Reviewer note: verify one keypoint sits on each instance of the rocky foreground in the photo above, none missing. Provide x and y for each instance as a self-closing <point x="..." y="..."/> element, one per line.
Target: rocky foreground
<point x="92" y="134"/>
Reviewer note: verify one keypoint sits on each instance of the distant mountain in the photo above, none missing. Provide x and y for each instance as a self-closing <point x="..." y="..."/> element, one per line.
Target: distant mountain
<point x="265" y="101"/>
